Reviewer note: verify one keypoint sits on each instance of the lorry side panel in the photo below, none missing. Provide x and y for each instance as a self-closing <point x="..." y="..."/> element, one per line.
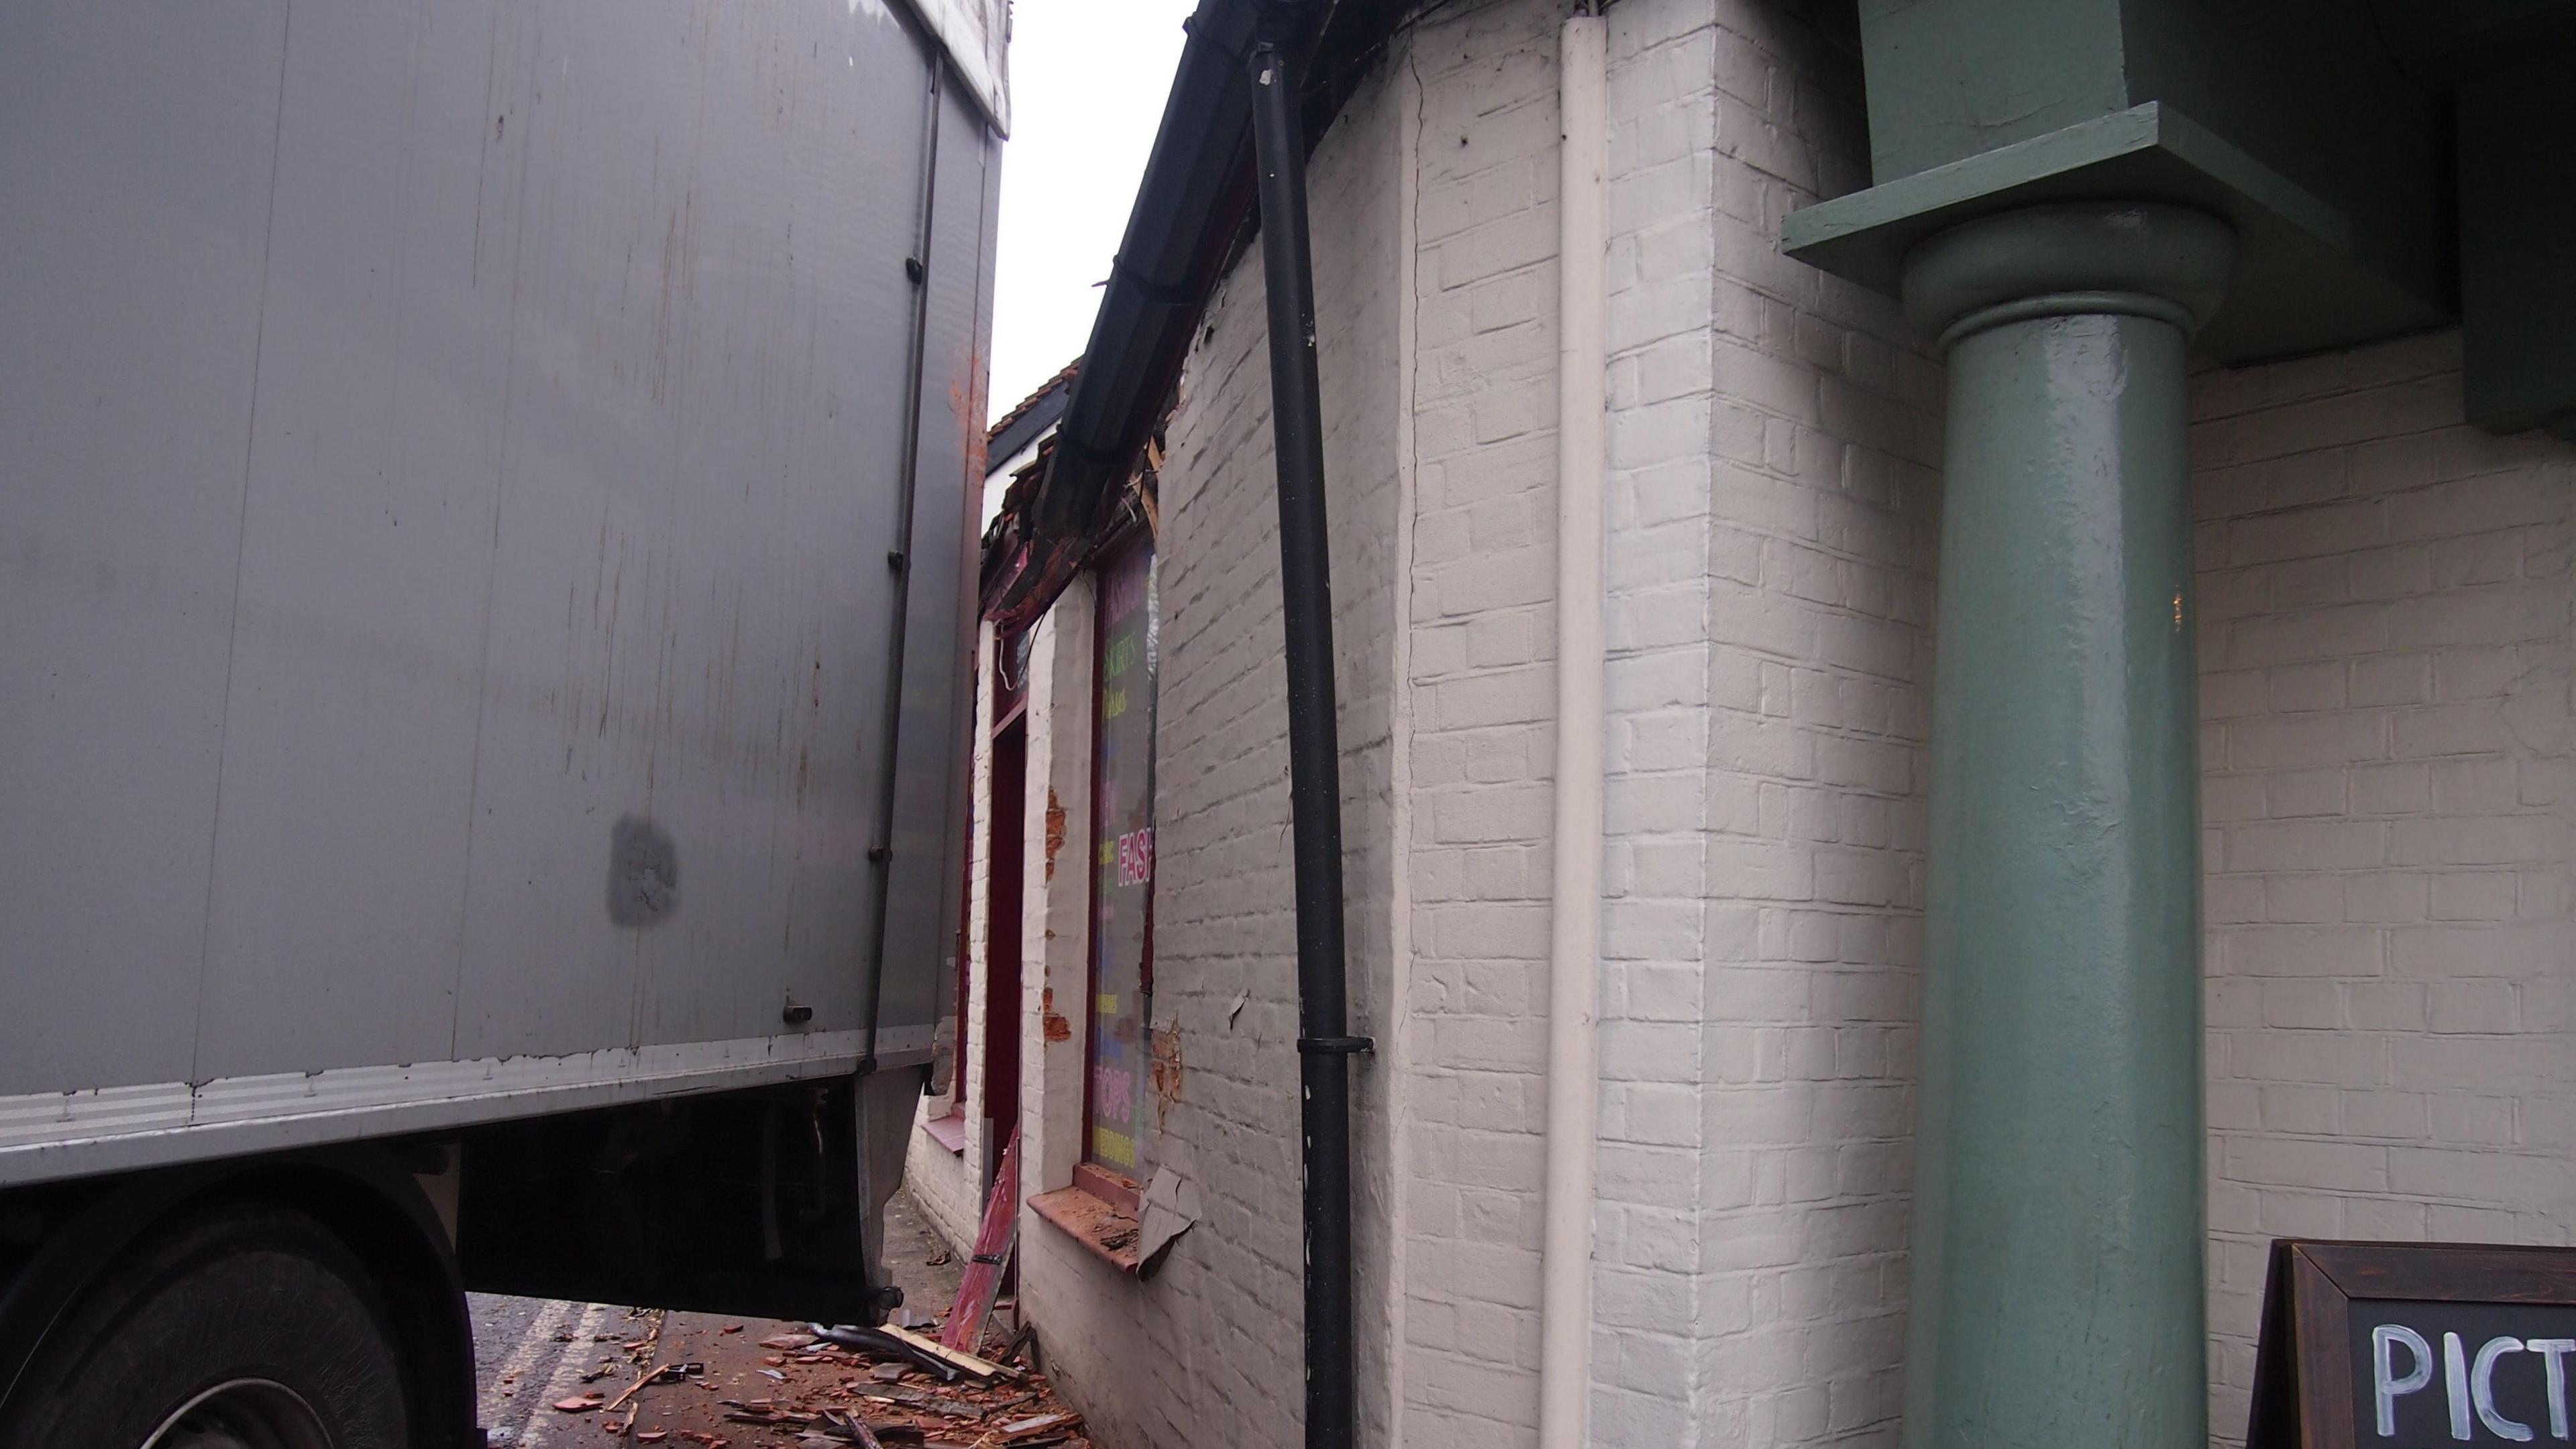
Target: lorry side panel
<point x="134" y="238"/>
<point x="449" y="454"/>
<point x="938" y="666"/>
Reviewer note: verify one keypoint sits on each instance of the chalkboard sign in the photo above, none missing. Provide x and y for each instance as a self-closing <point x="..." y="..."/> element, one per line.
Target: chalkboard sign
<point x="2415" y="1346"/>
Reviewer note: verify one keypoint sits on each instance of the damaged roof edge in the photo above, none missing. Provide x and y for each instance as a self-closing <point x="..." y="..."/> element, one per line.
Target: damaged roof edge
<point x="976" y="34"/>
<point x="1027" y="422"/>
<point x="1191" y="208"/>
<point x="1190" y="204"/>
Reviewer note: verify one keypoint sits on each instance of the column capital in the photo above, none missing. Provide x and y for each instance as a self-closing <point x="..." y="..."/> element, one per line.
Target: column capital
<point x="2143" y="259"/>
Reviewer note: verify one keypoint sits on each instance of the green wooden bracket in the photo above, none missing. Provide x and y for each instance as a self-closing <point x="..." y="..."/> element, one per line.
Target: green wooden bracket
<point x="2298" y="286"/>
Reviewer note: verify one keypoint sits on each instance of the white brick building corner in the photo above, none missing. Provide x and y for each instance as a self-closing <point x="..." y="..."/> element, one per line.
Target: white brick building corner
<point x="2388" y="773"/>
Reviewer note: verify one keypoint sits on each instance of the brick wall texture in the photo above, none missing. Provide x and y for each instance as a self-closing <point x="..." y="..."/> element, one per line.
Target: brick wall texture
<point x="1773" y="446"/>
<point x="1480" y="747"/>
<point x="1207" y="1350"/>
<point x="946" y="1185"/>
<point x="2385" y="651"/>
<point x="2385" y="625"/>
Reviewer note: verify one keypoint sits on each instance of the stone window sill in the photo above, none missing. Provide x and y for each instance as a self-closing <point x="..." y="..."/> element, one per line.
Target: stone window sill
<point x="1108" y="1232"/>
<point x="948" y="1131"/>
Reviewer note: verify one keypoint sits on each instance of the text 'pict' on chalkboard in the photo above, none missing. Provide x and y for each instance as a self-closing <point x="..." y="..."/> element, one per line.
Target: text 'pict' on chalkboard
<point x="2414" y="1346"/>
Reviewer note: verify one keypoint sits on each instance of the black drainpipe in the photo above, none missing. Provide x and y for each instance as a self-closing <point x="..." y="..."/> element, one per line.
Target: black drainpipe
<point x="1324" y="1046"/>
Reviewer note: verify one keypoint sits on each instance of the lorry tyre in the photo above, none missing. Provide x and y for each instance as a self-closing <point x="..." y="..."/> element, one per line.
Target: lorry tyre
<point x="249" y="1327"/>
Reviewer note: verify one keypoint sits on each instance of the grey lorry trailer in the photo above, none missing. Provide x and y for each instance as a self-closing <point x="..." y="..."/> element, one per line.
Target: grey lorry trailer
<point x="484" y="524"/>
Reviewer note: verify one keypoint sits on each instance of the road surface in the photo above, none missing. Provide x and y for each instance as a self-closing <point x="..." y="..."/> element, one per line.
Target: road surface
<point x="531" y="1352"/>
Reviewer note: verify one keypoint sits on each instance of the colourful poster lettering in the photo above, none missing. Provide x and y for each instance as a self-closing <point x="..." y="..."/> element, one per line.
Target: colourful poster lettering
<point x="1122" y="833"/>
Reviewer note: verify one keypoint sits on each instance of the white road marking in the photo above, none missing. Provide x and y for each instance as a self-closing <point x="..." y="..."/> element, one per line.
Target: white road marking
<point x="565" y="1382"/>
<point x="535" y="1342"/>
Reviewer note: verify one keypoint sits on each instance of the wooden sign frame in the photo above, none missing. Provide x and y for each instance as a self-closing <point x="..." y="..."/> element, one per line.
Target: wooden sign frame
<point x="2303" y="1387"/>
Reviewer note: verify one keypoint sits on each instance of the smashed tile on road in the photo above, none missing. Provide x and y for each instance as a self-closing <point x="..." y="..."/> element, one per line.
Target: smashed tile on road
<point x="809" y="1386"/>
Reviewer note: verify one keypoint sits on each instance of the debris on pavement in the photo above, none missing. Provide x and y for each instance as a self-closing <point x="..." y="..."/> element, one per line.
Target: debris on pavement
<point x="786" y="1386"/>
<point x="660" y="1373"/>
<point x="997" y="1236"/>
<point x="884" y="1343"/>
<point x="686" y="1383"/>
<point x="980" y="1367"/>
<point x="1171" y="1208"/>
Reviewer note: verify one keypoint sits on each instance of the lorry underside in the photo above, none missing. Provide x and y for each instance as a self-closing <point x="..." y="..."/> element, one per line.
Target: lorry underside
<point x="760" y="1202"/>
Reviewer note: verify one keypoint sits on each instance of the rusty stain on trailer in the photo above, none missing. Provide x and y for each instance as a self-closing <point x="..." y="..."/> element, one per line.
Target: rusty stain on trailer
<point x="966" y="400"/>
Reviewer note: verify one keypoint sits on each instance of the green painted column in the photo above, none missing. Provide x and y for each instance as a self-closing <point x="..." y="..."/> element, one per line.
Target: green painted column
<point x="2058" y="1189"/>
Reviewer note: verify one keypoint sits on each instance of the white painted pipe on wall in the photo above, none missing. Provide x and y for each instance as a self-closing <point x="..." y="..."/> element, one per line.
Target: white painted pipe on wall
<point x="1565" y="1269"/>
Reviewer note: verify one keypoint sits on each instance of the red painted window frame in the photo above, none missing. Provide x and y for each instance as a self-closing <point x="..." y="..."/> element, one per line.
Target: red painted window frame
<point x="1010" y="701"/>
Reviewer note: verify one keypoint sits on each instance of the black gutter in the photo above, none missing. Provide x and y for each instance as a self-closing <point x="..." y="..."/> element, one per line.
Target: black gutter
<point x="1192" y="215"/>
<point x="1324" y="1045"/>
<point x="1190" y="207"/>
<point x="1193" y="211"/>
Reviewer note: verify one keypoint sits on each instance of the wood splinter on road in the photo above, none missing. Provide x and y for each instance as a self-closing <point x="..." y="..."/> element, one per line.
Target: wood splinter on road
<point x="982" y="1368"/>
<point x="650" y="1374"/>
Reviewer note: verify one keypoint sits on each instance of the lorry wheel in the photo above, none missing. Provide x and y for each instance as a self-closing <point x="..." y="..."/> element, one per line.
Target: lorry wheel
<point x="247" y="1328"/>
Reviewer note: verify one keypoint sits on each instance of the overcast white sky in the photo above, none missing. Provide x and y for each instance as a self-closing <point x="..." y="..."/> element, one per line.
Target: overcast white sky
<point x="1088" y="78"/>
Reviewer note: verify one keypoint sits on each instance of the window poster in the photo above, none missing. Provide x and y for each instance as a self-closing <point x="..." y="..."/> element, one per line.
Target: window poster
<point x="1122" y="860"/>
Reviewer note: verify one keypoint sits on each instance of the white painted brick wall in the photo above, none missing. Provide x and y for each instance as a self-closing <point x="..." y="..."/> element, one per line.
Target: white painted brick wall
<point x="1055" y="959"/>
<point x="2385" y="649"/>
<point x="1481" y="688"/>
<point x="1053" y="953"/>
<point x="2385" y="611"/>
<point x="1774" y="439"/>
<point x="948" y="1185"/>
<point x="1207" y="1351"/>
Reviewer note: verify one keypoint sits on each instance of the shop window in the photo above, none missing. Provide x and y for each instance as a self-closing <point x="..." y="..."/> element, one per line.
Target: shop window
<point x="1125" y="664"/>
